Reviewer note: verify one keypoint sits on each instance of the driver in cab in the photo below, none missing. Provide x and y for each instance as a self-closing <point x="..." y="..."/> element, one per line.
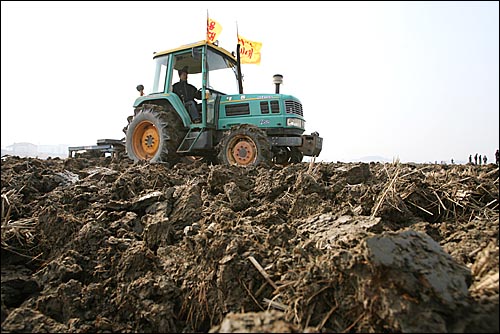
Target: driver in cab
<point x="188" y="93"/>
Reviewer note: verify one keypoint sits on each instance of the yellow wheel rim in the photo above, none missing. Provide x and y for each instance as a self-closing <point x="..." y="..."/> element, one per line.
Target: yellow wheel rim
<point x="146" y="140"/>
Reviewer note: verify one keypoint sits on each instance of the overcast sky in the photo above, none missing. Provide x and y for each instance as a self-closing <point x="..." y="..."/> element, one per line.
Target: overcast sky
<point x="418" y="81"/>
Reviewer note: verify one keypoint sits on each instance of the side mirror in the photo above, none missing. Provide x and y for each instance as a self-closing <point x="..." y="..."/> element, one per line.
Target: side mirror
<point x="140" y="89"/>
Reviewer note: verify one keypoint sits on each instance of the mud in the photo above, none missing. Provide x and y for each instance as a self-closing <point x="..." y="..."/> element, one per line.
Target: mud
<point x="106" y="245"/>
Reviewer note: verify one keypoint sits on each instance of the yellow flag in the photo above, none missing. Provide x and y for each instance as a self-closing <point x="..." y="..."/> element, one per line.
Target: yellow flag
<point x="249" y="51"/>
<point x="213" y="30"/>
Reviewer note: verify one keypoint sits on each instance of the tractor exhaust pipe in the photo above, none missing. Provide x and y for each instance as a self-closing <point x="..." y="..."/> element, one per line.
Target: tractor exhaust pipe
<point x="277" y="80"/>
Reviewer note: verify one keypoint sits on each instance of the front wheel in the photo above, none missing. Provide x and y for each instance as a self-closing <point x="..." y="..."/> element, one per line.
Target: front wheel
<point x="287" y="155"/>
<point x="245" y="145"/>
<point x="296" y="155"/>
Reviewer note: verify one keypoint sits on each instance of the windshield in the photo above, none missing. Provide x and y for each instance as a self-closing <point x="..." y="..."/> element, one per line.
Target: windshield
<point x="222" y="75"/>
<point x="161" y="64"/>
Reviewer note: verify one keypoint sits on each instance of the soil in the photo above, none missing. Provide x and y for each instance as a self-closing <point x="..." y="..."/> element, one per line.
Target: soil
<point x="107" y="245"/>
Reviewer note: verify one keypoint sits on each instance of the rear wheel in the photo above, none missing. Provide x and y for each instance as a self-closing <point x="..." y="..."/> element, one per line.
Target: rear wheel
<point x="245" y="145"/>
<point x="154" y="134"/>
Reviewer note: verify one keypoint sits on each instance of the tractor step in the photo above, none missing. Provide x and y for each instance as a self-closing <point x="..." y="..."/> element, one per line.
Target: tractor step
<point x="189" y="140"/>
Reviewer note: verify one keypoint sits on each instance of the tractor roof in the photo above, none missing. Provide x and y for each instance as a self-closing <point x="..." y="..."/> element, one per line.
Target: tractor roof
<point x="192" y="45"/>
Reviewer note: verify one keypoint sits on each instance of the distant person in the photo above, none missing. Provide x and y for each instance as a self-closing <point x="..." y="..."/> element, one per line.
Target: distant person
<point x="497" y="158"/>
<point x="188" y="93"/>
<point x="485" y="159"/>
<point x="480" y="160"/>
<point x="470" y="159"/>
<point x="475" y="159"/>
<point x="452" y="162"/>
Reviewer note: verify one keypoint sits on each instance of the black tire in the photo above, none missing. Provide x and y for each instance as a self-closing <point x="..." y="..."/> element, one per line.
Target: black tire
<point x="245" y="145"/>
<point x="281" y="155"/>
<point x="296" y="155"/>
<point x="154" y="134"/>
<point x="287" y="155"/>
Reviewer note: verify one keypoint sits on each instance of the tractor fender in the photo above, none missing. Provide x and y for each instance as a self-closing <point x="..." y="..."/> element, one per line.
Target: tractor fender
<point x="162" y="99"/>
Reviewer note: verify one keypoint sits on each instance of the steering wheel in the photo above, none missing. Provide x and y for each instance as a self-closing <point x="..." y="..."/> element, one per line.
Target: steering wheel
<point x="211" y="90"/>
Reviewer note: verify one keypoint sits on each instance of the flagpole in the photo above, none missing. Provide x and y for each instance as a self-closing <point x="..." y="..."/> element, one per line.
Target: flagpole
<point x="238" y="60"/>
<point x="206" y="27"/>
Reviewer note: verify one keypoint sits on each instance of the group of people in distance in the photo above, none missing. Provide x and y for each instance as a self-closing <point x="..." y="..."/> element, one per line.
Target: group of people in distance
<point x="482" y="159"/>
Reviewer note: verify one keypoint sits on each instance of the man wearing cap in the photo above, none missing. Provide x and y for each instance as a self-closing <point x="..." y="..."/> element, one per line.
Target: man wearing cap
<point x="188" y="93"/>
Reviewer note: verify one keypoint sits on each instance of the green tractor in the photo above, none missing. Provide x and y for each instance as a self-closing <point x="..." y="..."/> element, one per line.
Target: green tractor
<point x="234" y="129"/>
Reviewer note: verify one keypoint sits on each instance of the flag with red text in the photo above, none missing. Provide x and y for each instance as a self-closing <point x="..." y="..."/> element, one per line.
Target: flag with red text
<point x="249" y="51"/>
<point x="213" y="30"/>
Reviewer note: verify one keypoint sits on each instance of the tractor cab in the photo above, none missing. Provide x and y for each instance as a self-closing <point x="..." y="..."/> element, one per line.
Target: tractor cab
<point x="211" y="69"/>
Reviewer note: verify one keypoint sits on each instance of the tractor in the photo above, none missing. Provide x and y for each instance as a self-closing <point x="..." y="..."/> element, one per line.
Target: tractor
<point x="235" y="128"/>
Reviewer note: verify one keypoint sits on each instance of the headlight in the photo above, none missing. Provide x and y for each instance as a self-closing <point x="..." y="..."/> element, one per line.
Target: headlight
<point x="297" y="122"/>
